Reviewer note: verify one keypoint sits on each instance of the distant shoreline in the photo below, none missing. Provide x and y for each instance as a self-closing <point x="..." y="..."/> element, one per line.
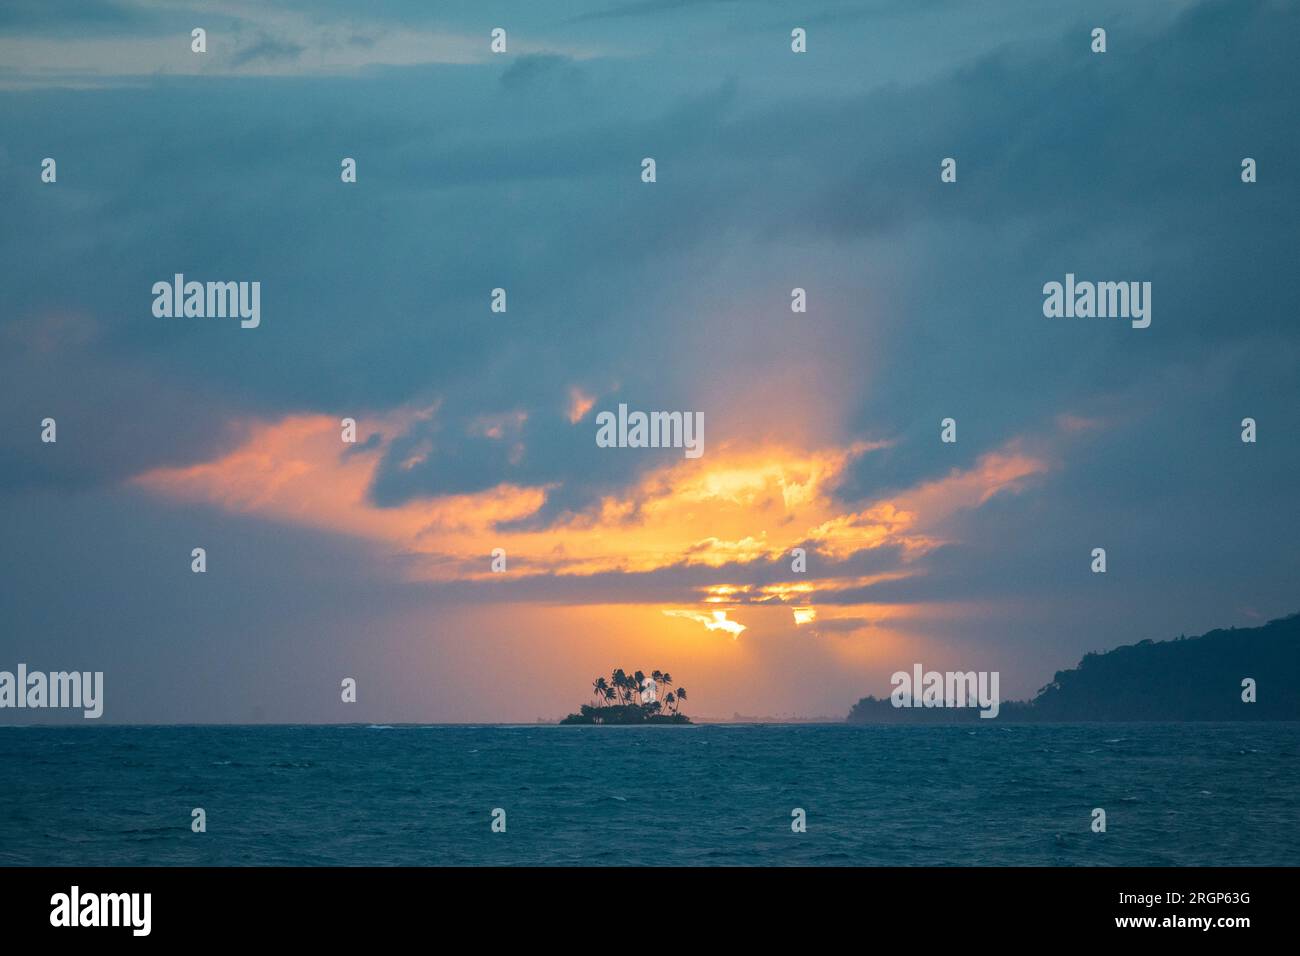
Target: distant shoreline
<point x="1232" y="675"/>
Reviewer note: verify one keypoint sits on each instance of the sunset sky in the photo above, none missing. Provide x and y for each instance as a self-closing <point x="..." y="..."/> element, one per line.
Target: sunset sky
<point x="477" y="430"/>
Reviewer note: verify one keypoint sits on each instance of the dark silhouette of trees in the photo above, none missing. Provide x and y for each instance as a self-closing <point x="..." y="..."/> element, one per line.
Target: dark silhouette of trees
<point x="618" y="701"/>
<point x="1186" y="679"/>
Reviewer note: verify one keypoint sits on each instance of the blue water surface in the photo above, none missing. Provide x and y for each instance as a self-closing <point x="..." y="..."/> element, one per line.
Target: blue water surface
<point x="988" y="793"/>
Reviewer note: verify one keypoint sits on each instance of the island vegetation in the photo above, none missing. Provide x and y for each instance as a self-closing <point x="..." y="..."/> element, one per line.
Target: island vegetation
<point x="1206" y="678"/>
<point x="635" y="698"/>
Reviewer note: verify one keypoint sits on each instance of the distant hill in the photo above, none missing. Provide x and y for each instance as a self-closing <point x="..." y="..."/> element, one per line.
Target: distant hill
<point x="1191" y="678"/>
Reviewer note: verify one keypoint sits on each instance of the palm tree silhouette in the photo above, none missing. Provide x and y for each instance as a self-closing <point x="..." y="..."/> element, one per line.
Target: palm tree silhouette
<point x="621" y="692"/>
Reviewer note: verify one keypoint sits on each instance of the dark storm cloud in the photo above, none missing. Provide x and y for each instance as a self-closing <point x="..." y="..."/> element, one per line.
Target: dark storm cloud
<point x="1099" y="165"/>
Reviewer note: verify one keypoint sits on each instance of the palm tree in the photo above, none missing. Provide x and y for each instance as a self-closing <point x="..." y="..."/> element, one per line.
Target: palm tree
<point x="609" y="694"/>
<point x="599" y="685"/>
<point x="668" y="680"/>
<point x="639" y="678"/>
<point x="681" y="696"/>
<point x="656" y="676"/>
<point x="670" y="700"/>
<point x="620" y="682"/>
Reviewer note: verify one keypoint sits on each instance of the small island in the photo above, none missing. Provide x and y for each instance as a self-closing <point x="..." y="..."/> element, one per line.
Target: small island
<point x="635" y="699"/>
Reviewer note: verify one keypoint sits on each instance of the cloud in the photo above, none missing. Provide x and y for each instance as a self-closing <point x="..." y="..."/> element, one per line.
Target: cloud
<point x="116" y="41"/>
<point x="712" y="620"/>
<point x="268" y="49"/>
<point x="641" y="545"/>
<point x="541" y="72"/>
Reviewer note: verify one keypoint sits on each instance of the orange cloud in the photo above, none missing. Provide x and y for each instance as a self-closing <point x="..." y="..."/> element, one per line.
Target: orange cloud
<point x="579" y="404"/>
<point x="1005" y="471"/>
<point x="738" y="506"/>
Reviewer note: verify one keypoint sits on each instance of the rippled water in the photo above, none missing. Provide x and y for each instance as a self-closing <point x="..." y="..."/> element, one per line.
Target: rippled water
<point x="1179" y="794"/>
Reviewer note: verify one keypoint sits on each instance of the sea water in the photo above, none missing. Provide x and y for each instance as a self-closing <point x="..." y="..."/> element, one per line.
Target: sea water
<point x="980" y="793"/>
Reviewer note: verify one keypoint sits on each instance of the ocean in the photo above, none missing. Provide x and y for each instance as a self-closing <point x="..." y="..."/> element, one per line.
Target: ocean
<point x="1173" y="794"/>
